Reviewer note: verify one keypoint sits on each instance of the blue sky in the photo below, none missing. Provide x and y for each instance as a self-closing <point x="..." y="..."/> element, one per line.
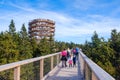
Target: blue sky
<point x="76" y="20"/>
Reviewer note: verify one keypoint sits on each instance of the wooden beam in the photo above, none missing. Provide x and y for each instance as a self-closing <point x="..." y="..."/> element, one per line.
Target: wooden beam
<point x="41" y="68"/>
<point x="52" y="58"/>
<point x="17" y="73"/>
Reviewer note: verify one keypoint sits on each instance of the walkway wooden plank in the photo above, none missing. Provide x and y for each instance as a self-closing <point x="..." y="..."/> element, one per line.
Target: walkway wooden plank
<point x="67" y="73"/>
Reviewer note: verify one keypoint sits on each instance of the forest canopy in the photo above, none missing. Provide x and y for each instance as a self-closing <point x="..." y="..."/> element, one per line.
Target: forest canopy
<point x="16" y="46"/>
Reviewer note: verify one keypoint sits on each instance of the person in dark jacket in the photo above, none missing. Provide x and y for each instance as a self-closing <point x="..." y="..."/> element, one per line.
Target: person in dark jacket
<point x="74" y="61"/>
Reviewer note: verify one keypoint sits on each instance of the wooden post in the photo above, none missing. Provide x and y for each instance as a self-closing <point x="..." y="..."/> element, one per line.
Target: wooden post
<point x="87" y="73"/>
<point x="57" y="59"/>
<point x="82" y="65"/>
<point x="52" y="58"/>
<point x="41" y="68"/>
<point x="17" y="73"/>
<point x="94" y="76"/>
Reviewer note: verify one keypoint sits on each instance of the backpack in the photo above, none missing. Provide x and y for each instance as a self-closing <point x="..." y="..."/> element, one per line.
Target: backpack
<point x="68" y="54"/>
<point x="74" y="51"/>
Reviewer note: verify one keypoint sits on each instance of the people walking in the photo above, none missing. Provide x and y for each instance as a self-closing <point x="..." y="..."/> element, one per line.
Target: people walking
<point x="77" y="51"/>
<point x="64" y="58"/>
<point x="74" y="51"/>
<point x="68" y="53"/>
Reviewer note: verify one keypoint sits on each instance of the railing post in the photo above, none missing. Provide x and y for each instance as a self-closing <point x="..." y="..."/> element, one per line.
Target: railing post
<point x="52" y="58"/>
<point x="17" y="73"/>
<point x="87" y="73"/>
<point x="94" y="76"/>
<point x="82" y="66"/>
<point x="41" y="68"/>
<point x="57" y="59"/>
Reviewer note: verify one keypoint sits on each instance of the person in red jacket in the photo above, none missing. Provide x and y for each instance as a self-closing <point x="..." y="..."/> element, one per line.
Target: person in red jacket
<point x="64" y="58"/>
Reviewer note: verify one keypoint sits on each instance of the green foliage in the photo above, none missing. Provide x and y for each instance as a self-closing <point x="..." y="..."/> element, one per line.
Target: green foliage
<point x="12" y="28"/>
<point x="16" y="46"/>
<point x="105" y="53"/>
<point x="43" y="47"/>
<point x="8" y="50"/>
<point x="59" y="46"/>
<point x="115" y="44"/>
<point x="51" y="44"/>
<point x="27" y="72"/>
<point x="95" y="40"/>
<point x="25" y="48"/>
<point x="34" y="47"/>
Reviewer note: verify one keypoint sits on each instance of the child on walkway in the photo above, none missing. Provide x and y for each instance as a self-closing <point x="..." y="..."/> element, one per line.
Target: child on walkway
<point x="70" y="61"/>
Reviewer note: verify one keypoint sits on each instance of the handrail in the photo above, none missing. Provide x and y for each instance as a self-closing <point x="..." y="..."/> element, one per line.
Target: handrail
<point x="16" y="65"/>
<point x="91" y="71"/>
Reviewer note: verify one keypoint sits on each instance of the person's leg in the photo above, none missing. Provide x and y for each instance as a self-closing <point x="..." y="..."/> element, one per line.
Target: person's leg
<point x="63" y="63"/>
<point x="74" y="63"/>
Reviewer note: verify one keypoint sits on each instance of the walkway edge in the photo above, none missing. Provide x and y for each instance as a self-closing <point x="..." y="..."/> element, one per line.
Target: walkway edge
<point x="54" y="69"/>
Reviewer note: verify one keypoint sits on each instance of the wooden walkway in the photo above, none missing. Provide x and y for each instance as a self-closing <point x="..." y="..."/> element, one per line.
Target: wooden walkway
<point x="67" y="73"/>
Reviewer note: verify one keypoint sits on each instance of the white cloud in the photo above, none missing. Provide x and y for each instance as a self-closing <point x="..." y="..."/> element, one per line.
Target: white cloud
<point x="66" y="26"/>
<point x="83" y="4"/>
<point x="25" y="8"/>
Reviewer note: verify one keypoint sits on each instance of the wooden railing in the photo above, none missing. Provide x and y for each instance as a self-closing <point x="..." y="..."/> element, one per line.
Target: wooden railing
<point x="91" y="71"/>
<point x="17" y="65"/>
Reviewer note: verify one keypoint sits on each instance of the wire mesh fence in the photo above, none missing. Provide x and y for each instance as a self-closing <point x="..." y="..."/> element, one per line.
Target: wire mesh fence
<point x="29" y="69"/>
<point x="7" y="75"/>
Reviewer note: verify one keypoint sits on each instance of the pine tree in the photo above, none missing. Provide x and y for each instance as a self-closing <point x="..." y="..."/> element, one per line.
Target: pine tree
<point x="34" y="46"/>
<point x="9" y="52"/>
<point x="115" y="44"/>
<point x="24" y="44"/>
<point x="43" y="47"/>
<point x="95" y="40"/>
<point x="52" y="44"/>
<point x="12" y="28"/>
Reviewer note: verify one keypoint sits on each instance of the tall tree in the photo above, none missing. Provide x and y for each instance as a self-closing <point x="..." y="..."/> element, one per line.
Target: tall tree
<point x="8" y="50"/>
<point x="24" y="34"/>
<point x="115" y="44"/>
<point x="34" y="46"/>
<point x="95" y="39"/>
<point x="24" y="44"/>
<point x="52" y="44"/>
<point x="43" y="47"/>
<point x="12" y="28"/>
